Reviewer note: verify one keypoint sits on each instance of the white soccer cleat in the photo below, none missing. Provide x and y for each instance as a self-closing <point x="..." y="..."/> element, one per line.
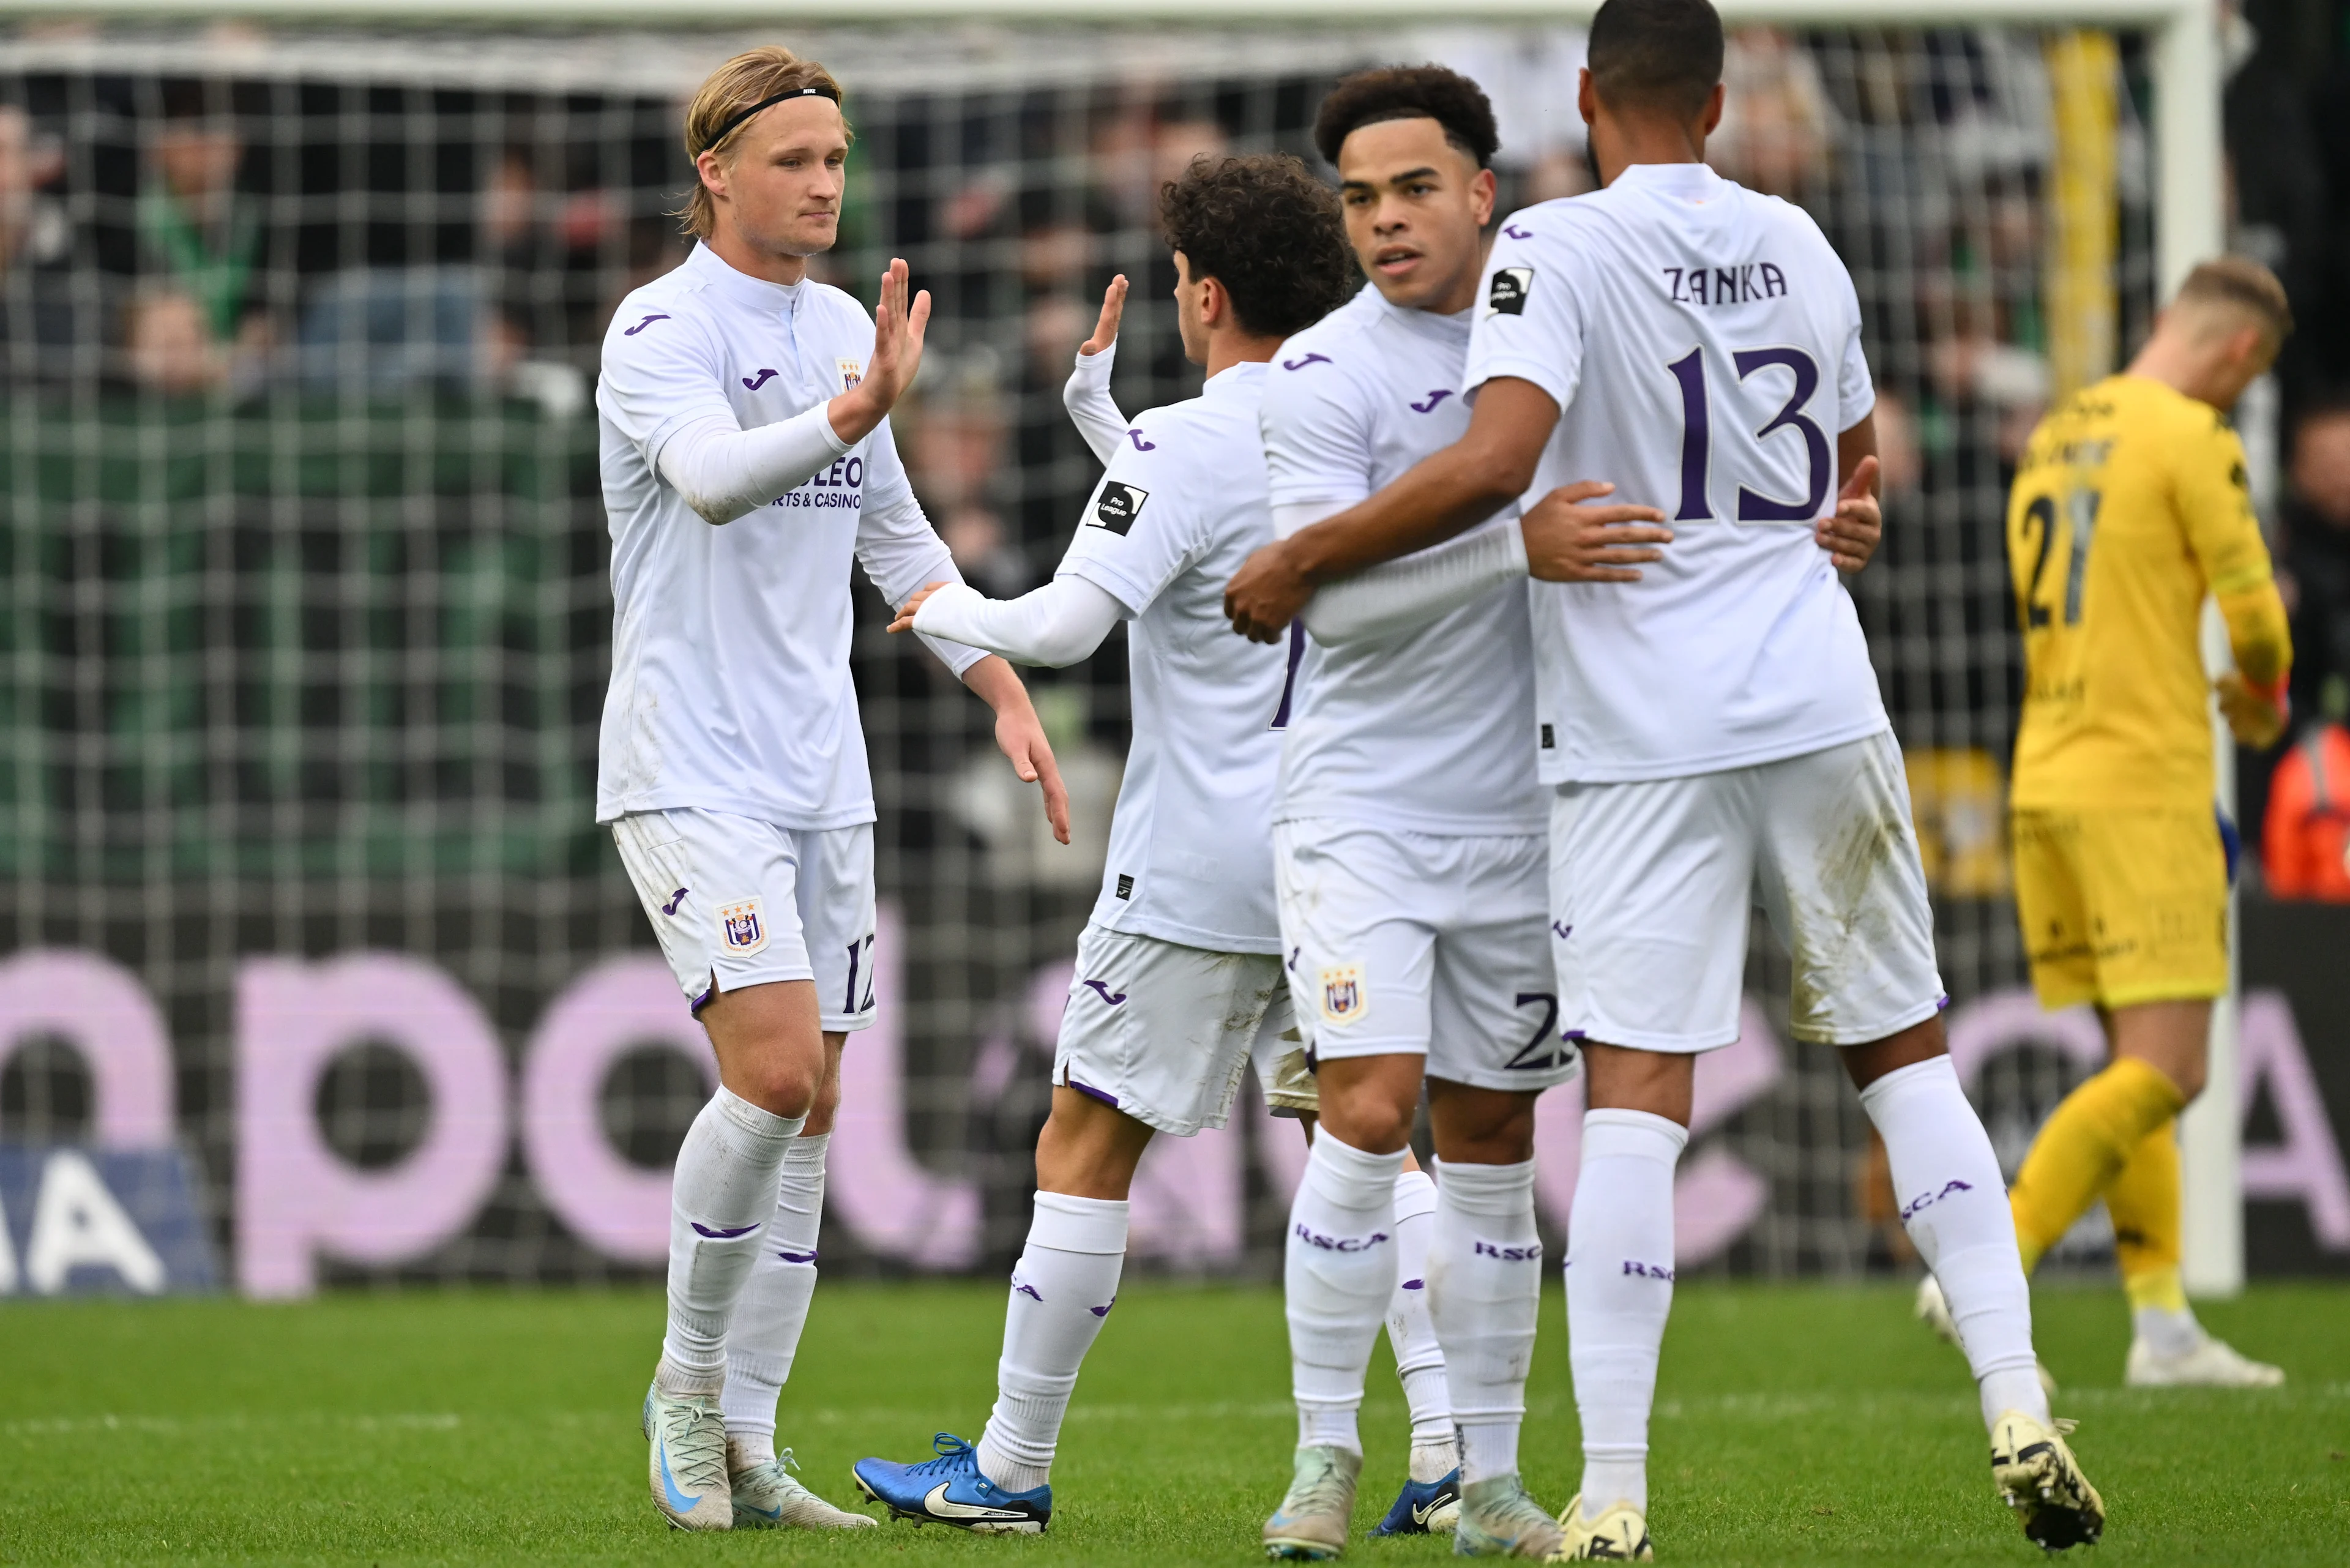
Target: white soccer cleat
<point x="769" y="1497"/>
<point x="1933" y="1309"/>
<point x="1620" y="1535"/>
<point x="1499" y="1519"/>
<point x="686" y="1439"/>
<point x="2038" y="1478"/>
<point x="2212" y="1364"/>
<point x="1311" y="1523"/>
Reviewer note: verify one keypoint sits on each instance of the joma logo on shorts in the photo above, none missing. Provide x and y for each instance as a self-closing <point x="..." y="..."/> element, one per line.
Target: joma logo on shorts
<point x="1313" y="1238"/>
<point x="1927" y="1199"/>
<point x="1531" y="1254"/>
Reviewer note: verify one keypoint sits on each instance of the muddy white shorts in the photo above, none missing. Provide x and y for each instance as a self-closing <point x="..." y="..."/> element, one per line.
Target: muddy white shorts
<point x="1654" y="882"/>
<point x="1161" y="1031"/>
<point x="737" y="902"/>
<point x="1422" y="944"/>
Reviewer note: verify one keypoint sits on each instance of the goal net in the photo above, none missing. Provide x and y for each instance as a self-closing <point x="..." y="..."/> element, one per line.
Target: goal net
<point x="306" y="615"/>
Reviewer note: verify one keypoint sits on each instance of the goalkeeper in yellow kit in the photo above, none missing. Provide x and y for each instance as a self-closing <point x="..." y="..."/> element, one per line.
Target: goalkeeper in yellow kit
<point x="2129" y="505"/>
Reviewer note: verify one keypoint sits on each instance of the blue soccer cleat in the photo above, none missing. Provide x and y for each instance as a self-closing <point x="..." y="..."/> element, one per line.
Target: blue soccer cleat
<point x="1423" y="1506"/>
<point x="948" y="1490"/>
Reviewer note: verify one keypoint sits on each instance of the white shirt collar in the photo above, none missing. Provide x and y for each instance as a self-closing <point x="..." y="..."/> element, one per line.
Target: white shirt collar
<point x="1689" y="181"/>
<point x="1232" y="378"/>
<point x="1450" y="328"/>
<point x="740" y="287"/>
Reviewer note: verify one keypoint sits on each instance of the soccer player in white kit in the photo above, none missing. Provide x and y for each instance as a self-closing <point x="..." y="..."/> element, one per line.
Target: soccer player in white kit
<point x="1411" y="838"/>
<point x="1712" y="726"/>
<point x="747" y="461"/>
<point x="1179" y="974"/>
<point x="1409" y="854"/>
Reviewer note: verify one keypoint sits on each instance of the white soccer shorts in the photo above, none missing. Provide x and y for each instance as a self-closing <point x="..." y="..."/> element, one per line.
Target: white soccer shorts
<point x="1161" y="1031"/>
<point x="1653" y="883"/>
<point x="737" y="902"/>
<point x="1422" y="944"/>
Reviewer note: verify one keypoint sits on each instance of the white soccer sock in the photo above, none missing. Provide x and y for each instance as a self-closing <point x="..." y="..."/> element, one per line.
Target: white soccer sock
<point x="1411" y="1333"/>
<point x="2168" y="1332"/>
<point x="720" y="1196"/>
<point x="746" y="1448"/>
<point x="1062" y="1290"/>
<point x="774" y="1306"/>
<point x="1619" y="1291"/>
<point x="1484" y="1286"/>
<point x="1954" y="1206"/>
<point x="1338" y="1274"/>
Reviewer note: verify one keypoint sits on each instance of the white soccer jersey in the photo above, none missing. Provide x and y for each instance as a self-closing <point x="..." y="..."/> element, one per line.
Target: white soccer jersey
<point x="1182" y="505"/>
<point x="1431" y="731"/>
<point x="1703" y="345"/>
<point x="730" y="644"/>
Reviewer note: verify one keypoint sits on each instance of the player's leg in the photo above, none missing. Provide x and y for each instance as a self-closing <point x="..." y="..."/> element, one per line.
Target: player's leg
<point x="2079" y="898"/>
<point x="2168" y="1346"/>
<point x="1359" y="979"/>
<point x="1495" y="1046"/>
<point x="1651" y="890"/>
<point x="1619" y="1282"/>
<point x="1154" y="1039"/>
<point x="2150" y="888"/>
<point x="720" y="892"/>
<point x="1839" y="876"/>
<point x="1430" y="1498"/>
<point x="835" y="903"/>
<point x="1485" y="1293"/>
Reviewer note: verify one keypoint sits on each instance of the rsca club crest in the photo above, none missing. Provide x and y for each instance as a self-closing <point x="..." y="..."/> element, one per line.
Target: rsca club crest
<point x="1345" y="998"/>
<point x="851" y="372"/>
<point x="741" y="926"/>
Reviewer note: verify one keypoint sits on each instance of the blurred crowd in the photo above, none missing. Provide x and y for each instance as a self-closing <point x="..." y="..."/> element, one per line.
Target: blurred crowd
<point x="208" y="237"/>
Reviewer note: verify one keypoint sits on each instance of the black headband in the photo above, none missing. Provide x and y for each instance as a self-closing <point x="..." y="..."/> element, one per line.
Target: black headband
<point x="739" y="115"/>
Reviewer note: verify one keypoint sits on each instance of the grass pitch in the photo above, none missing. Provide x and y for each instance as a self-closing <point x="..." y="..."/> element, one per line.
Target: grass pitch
<point x="1808" y="1424"/>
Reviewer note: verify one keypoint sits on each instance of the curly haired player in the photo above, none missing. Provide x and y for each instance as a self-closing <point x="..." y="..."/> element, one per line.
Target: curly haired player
<point x="1179" y="977"/>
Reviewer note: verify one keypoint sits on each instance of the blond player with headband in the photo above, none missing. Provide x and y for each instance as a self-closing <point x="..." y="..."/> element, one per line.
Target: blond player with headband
<point x="747" y="464"/>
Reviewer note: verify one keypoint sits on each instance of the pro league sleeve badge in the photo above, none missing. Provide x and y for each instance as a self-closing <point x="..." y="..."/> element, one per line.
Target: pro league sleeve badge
<point x="1507" y="296"/>
<point x="1118" y="505"/>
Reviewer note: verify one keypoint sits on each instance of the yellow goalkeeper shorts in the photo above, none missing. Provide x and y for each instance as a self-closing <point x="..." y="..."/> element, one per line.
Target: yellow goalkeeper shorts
<point x="2122" y="907"/>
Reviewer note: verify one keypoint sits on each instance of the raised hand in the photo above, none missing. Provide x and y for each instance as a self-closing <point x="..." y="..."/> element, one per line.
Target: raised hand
<point x="907" y="611"/>
<point x="1567" y="541"/>
<point x="1851" y="536"/>
<point x="898" y="329"/>
<point x="1113" y="310"/>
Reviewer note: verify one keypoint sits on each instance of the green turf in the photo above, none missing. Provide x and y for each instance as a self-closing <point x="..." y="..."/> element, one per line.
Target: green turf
<point x="1795" y="1424"/>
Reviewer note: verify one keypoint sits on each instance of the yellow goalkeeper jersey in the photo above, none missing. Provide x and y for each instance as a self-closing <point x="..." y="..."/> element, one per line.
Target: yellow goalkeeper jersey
<point x="2130" y="503"/>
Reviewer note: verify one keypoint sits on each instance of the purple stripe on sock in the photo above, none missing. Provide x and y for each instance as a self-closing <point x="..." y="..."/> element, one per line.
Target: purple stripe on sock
<point x="1109" y="1100"/>
<point x="722" y="1235"/>
<point x="795" y="1257"/>
<point x="1415" y="1285"/>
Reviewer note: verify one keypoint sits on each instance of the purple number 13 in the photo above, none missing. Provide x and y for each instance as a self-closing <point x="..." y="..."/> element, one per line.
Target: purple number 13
<point x="1696" y="436"/>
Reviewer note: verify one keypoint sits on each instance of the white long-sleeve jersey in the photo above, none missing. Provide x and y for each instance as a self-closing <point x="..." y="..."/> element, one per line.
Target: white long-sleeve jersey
<point x="730" y="687"/>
